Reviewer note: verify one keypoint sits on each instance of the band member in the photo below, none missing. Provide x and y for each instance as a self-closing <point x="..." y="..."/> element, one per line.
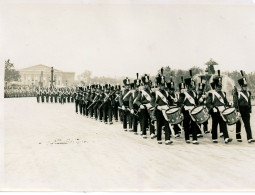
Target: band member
<point x="216" y="102"/>
<point x="124" y="102"/>
<point x="80" y="99"/>
<point x="116" y="96"/>
<point x="147" y="111"/>
<point x="173" y="99"/>
<point x="242" y="103"/>
<point x="187" y="101"/>
<point x="132" y="104"/>
<point x="161" y="104"/>
<point x="201" y="101"/>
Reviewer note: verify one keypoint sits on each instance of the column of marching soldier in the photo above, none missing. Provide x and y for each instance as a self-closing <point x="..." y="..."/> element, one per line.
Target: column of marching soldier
<point x="156" y="108"/>
<point x="55" y="95"/>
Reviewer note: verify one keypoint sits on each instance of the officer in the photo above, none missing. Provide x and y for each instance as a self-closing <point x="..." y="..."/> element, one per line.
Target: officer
<point x="243" y="105"/>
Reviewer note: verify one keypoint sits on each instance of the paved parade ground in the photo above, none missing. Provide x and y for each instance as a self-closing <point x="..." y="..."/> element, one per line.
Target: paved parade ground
<point x="50" y="147"/>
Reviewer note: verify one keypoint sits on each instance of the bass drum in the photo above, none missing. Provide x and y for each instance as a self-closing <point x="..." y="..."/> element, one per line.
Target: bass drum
<point x="174" y="115"/>
<point x="200" y="114"/>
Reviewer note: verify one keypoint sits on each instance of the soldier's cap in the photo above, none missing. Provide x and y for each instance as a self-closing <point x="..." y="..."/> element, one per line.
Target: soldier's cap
<point x="106" y="86"/>
<point x="126" y="81"/>
<point x="189" y="81"/>
<point x="117" y="87"/>
<point x="160" y="80"/>
<point x="145" y="79"/>
<point x="217" y="80"/>
<point x="182" y="85"/>
<point x="170" y="85"/>
<point x="212" y="85"/>
<point x="201" y="86"/>
<point x="132" y="85"/>
<point x="137" y="82"/>
<point x="242" y="82"/>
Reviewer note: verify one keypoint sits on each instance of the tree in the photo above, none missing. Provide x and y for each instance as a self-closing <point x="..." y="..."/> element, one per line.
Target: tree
<point x="85" y="77"/>
<point x="10" y="73"/>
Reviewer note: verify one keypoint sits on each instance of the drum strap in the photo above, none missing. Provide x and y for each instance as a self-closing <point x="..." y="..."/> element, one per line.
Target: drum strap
<point x="191" y="99"/>
<point x="244" y="96"/>
<point x="135" y="99"/>
<point x="146" y="95"/>
<point x="158" y="93"/>
<point x="218" y="96"/>
<point x="126" y="95"/>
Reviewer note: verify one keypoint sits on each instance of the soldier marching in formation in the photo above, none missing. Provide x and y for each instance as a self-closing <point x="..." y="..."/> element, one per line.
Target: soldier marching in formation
<point x="155" y="107"/>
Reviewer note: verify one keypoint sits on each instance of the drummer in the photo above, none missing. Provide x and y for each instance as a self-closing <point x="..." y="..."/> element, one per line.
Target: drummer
<point x="216" y="102"/>
<point x="188" y="101"/>
<point x="243" y="105"/>
<point x="201" y="101"/>
<point x="173" y="99"/>
<point x="143" y="101"/>
<point x="161" y="104"/>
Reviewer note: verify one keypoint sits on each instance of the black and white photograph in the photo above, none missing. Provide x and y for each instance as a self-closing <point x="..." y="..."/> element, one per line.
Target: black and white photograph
<point x="127" y="95"/>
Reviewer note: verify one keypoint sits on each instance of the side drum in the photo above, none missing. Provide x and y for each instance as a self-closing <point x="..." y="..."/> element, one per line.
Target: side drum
<point x="200" y="114"/>
<point x="174" y="115"/>
<point x="230" y="116"/>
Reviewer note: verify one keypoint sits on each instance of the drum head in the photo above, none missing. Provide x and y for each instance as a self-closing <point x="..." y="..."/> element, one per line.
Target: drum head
<point x="196" y="110"/>
<point x="172" y="110"/>
<point x="228" y="111"/>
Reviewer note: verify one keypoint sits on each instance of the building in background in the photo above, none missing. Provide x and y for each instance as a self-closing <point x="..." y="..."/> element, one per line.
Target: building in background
<point x="41" y="74"/>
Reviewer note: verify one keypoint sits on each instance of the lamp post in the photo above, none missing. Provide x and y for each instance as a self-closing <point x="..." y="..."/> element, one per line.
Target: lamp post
<point x="52" y="77"/>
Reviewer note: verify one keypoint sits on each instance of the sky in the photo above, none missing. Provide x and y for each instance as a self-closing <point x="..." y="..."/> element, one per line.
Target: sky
<point x="122" y="38"/>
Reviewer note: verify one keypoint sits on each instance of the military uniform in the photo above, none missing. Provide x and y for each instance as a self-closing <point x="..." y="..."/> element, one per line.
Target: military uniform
<point x="243" y="105"/>
<point x="162" y="104"/>
<point x="187" y="101"/>
<point x="144" y="102"/>
<point x="216" y="102"/>
<point x="133" y="105"/>
<point x="116" y="96"/>
<point x="124" y="102"/>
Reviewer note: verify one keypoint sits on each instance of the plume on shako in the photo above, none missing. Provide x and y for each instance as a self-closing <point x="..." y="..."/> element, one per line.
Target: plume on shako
<point x="242" y="82"/>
